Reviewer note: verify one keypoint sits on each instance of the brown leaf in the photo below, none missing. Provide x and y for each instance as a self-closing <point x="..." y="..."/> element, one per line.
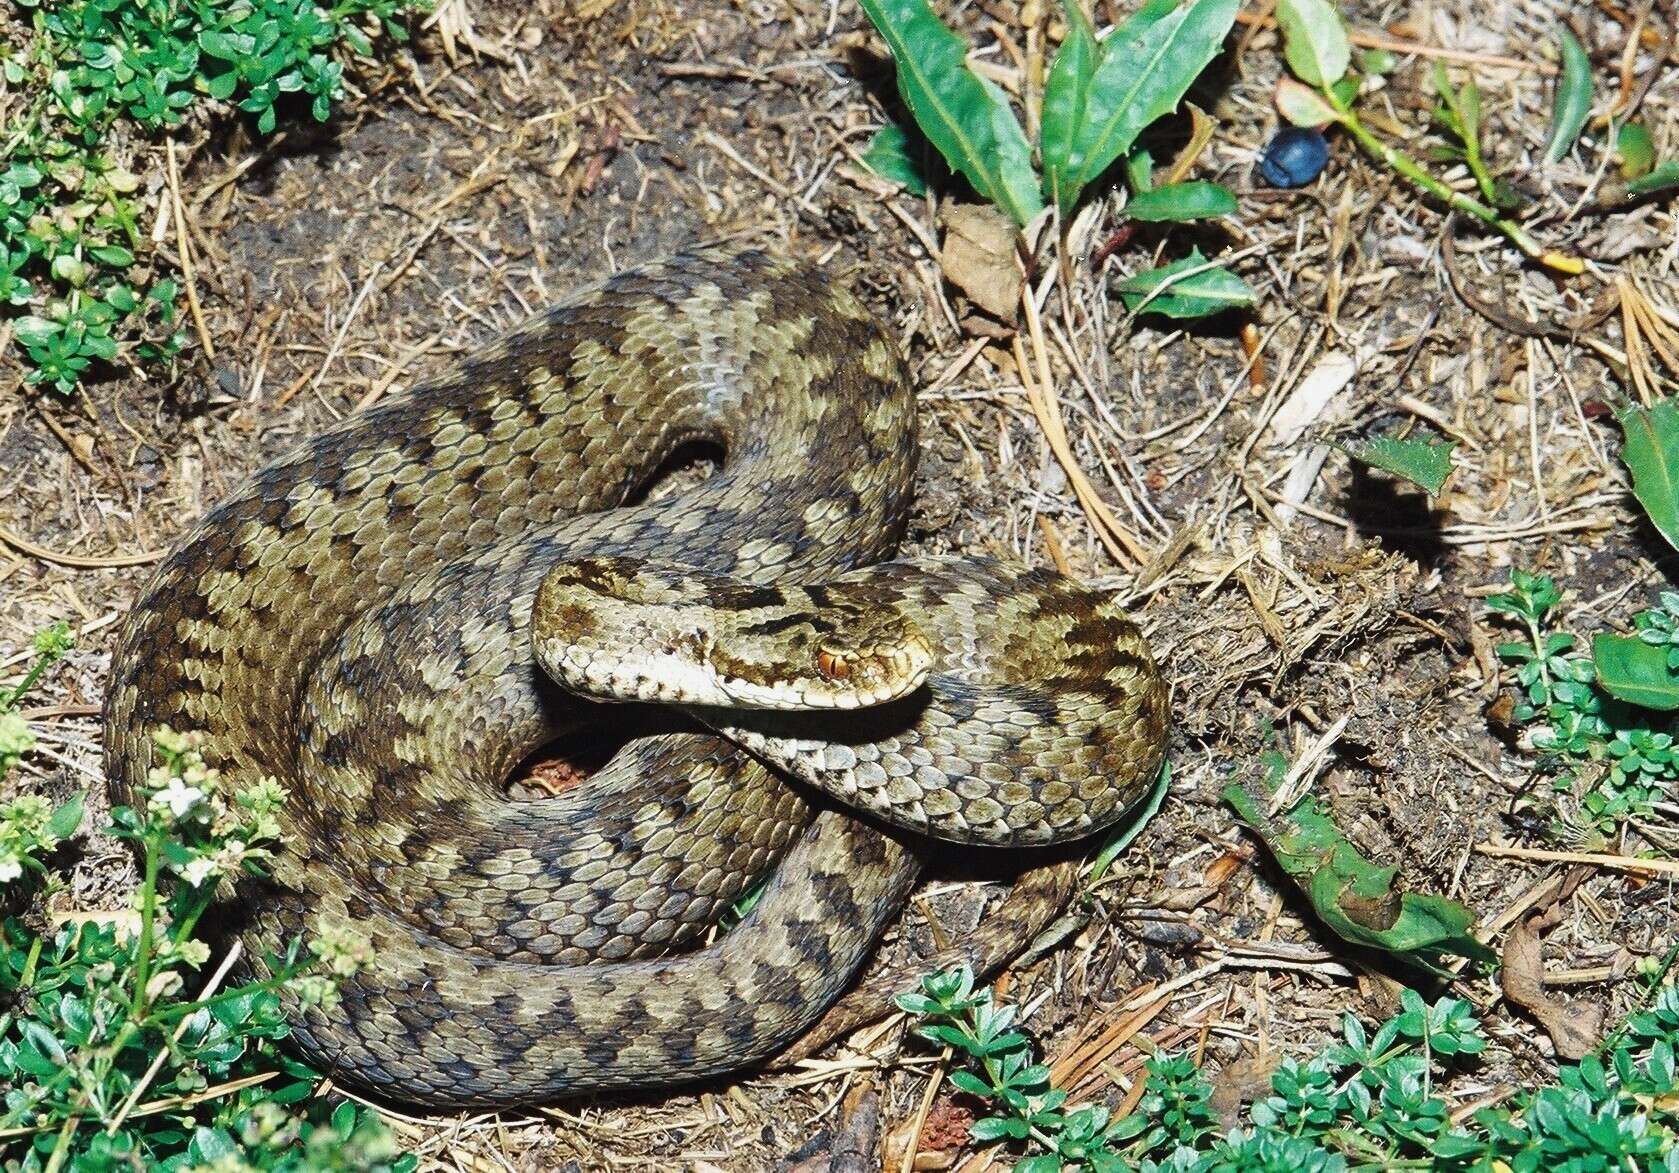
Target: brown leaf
<point x="978" y="258"/>
<point x="1574" y="1026"/>
<point x="1242" y="1082"/>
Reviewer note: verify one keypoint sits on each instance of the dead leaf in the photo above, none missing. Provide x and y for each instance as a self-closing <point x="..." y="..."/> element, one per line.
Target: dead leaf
<point x="1574" y="1026"/>
<point x="1242" y="1082"/>
<point x="979" y="258"/>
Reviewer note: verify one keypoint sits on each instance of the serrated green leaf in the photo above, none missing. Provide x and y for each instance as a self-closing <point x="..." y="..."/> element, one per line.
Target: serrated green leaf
<point x="1066" y="94"/>
<point x="1665" y="175"/>
<point x="1314" y="41"/>
<point x="1146" y="66"/>
<point x="1651" y="452"/>
<point x="1195" y="294"/>
<point x="1196" y="200"/>
<point x="1573" y="98"/>
<point x="1635" y="671"/>
<point x="966" y="117"/>
<point x="1425" y="463"/>
<point x="889" y="157"/>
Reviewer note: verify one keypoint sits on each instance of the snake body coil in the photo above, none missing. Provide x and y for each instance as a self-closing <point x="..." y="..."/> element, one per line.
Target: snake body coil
<point x="357" y="622"/>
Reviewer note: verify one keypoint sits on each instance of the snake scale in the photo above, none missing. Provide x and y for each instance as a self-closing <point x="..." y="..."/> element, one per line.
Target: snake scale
<point x="357" y="621"/>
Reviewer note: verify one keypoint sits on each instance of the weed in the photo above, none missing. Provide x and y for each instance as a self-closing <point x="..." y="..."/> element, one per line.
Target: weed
<point x="106" y="1060"/>
<point x="76" y="274"/>
<point x="1610" y="760"/>
<point x="1099" y="95"/>
<point x="1366" y="1102"/>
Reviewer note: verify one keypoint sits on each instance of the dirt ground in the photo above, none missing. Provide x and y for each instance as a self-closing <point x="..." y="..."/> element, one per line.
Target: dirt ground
<point x="518" y="150"/>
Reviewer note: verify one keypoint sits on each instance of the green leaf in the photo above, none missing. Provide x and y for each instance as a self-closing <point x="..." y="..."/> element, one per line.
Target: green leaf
<point x="1574" y="96"/>
<point x="113" y="254"/>
<point x="1665" y="175"/>
<point x="1146" y="66"/>
<point x="1314" y="41"/>
<point x="1066" y="94"/>
<point x="66" y="818"/>
<point x="1163" y="291"/>
<point x="1425" y="463"/>
<point x="1651" y="452"/>
<point x="1350" y="894"/>
<point x="34" y="331"/>
<point x="889" y="157"/>
<point x="1139" y="170"/>
<point x="1182" y="201"/>
<point x="966" y="117"/>
<point x="1302" y="105"/>
<point x="1635" y="671"/>
<point x="1636" y="149"/>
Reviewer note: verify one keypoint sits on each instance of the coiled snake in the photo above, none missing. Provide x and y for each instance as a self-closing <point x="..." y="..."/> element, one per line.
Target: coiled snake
<point x="357" y="621"/>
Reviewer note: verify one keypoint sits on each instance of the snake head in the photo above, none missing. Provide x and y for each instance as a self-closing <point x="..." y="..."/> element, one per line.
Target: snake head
<point x="626" y="629"/>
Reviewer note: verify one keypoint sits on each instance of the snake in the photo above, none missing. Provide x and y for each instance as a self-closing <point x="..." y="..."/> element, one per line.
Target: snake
<point x="393" y="615"/>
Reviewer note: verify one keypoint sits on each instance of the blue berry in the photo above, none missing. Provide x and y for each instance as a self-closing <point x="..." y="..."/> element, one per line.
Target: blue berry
<point x="1295" y="157"/>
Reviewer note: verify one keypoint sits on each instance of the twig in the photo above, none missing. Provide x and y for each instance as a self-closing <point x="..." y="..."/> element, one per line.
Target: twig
<point x="25" y="546"/>
<point x="176" y="205"/>
<point x="1625" y="863"/>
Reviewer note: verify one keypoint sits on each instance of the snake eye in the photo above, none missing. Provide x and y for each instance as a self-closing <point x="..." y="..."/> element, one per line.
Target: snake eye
<point x="832" y="666"/>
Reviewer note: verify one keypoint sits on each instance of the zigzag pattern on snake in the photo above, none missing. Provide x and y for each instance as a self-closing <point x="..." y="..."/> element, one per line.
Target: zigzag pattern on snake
<point x="357" y="621"/>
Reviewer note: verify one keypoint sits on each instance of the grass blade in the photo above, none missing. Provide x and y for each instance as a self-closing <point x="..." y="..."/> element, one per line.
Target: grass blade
<point x="1651" y="452"/>
<point x="1146" y="67"/>
<point x="1066" y="93"/>
<point x="966" y="117"/>
<point x="1574" y="96"/>
<point x="1314" y="41"/>
<point x="1635" y="671"/>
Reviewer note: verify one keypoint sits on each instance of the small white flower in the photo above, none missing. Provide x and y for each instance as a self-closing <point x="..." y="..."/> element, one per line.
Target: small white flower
<point x="199" y="869"/>
<point x="11" y="867"/>
<point x="178" y="798"/>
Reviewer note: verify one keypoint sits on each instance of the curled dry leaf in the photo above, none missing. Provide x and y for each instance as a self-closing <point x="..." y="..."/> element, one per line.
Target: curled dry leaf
<point x="979" y="258"/>
<point x="1241" y="1083"/>
<point x="1574" y="1026"/>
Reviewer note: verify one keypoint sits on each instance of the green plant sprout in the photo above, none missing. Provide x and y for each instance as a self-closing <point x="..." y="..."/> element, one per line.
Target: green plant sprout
<point x="1324" y="89"/>
<point x="1614" y="758"/>
<point x="1099" y="95"/>
<point x="1365" y="1102"/>
<point x="107" y="1061"/>
<point x="78" y="280"/>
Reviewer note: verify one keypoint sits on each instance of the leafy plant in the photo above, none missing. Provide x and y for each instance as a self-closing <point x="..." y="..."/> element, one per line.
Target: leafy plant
<point x="1324" y="91"/>
<point x="1368" y="1101"/>
<point x="107" y="1061"/>
<point x="1100" y="94"/>
<point x="1606" y="747"/>
<point x="76" y="275"/>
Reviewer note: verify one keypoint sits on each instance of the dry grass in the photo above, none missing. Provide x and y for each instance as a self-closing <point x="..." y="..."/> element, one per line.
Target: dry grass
<point x="527" y="148"/>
